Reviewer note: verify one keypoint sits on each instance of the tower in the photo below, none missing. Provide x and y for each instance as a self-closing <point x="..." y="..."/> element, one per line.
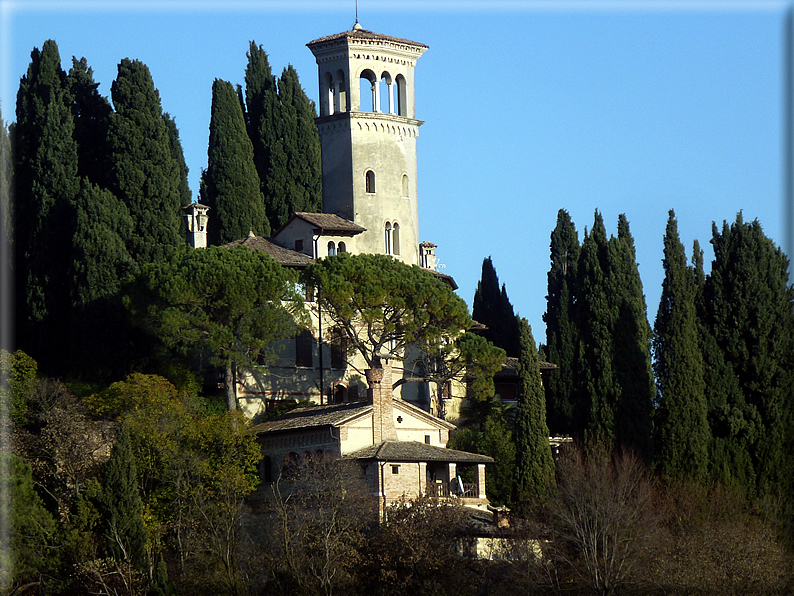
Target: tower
<point x="368" y="132"/>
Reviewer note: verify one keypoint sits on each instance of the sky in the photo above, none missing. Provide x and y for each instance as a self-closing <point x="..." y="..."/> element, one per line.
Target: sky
<point x="529" y="107"/>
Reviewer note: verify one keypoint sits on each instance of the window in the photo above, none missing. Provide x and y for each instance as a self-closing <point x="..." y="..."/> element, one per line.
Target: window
<point x="331" y="249"/>
<point x="405" y="186"/>
<point x="388" y="237"/>
<point x="427" y="439"/>
<point x="370" y="182"/>
<point x="402" y="96"/>
<point x="395" y="469"/>
<point x="341" y="248"/>
<point x="338" y="349"/>
<point x="266" y="469"/>
<point x="368" y="92"/>
<point x="303" y="348"/>
<point x="395" y="238"/>
<point x="299" y="245"/>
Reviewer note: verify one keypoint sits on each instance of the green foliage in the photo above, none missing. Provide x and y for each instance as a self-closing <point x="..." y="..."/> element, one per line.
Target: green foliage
<point x="493" y="309"/>
<point x="631" y="337"/>
<point x="122" y="508"/>
<point x="46" y="184"/>
<point x="681" y="427"/>
<point x="179" y="156"/>
<point x="285" y="139"/>
<point x="6" y="174"/>
<point x="146" y="176"/>
<point x="18" y="378"/>
<point x="25" y="551"/>
<point x="92" y="113"/>
<point x="230" y="184"/>
<point x="534" y="467"/>
<point x="376" y="300"/>
<point x="748" y="304"/>
<point x="562" y="333"/>
<point x="225" y="305"/>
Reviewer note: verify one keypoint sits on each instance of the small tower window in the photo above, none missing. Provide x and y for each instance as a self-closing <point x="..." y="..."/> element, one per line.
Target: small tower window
<point x="369" y="92"/>
<point x="402" y="96"/>
<point x="388" y="239"/>
<point x="331" y="249"/>
<point x="395" y="238"/>
<point x="341" y="248"/>
<point x="405" y="186"/>
<point x="370" y="182"/>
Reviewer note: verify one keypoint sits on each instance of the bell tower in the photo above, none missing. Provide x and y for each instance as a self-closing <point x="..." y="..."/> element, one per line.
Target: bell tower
<point x="368" y="130"/>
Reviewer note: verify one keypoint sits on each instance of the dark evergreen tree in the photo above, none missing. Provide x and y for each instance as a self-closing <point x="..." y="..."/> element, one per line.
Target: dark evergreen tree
<point x="534" y="465"/>
<point x="303" y="182"/>
<point x="146" y="177"/>
<point x="596" y="390"/>
<point x="265" y="129"/>
<point x="185" y="196"/>
<point x="749" y="306"/>
<point x="562" y="334"/>
<point x="6" y="228"/>
<point x="493" y="309"/>
<point x="682" y="435"/>
<point x="91" y="112"/>
<point x="230" y="185"/>
<point x="122" y="508"/>
<point x="631" y="337"/>
<point x="46" y="184"/>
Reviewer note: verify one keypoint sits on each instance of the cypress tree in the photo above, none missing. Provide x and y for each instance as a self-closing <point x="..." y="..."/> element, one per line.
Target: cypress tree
<point x="631" y="337"/>
<point x="146" y="177"/>
<point x="46" y="184"/>
<point x="303" y="182"/>
<point x="91" y="112"/>
<point x="185" y="196"/>
<point x="265" y="130"/>
<point x="749" y="306"/>
<point x="230" y="185"/>
<point x="562" y="334"/>
<point x="596" y="390"/>
<point x="534" y="465"/>
<point x="122" y="507"/>
<point x="6" y="170"/>
<point x="682" y="436"/>
<point x="493" y="309"/>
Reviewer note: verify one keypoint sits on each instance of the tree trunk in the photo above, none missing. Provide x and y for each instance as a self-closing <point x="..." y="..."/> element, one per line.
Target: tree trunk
<point x="231" y="397"/>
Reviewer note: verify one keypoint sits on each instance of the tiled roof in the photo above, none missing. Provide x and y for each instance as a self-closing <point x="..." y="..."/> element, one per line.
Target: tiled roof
<point x="314" y="416"/>
<point x="510" y="367"/>
<point x="410" y="451"/>
<point x="283" y="256"/>
<point x="327" y="222"/>
<point x="364" y="34"/>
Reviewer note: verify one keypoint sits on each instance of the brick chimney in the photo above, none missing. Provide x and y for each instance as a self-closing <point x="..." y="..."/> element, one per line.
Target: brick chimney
<point x="379" y="394"/>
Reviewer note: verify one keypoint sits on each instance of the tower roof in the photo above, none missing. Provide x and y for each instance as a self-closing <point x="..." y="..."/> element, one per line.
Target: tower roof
<point x="362" y="35"/>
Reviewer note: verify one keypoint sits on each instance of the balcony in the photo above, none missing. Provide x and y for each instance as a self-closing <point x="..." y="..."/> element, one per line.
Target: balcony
<point x="452" y="489"/>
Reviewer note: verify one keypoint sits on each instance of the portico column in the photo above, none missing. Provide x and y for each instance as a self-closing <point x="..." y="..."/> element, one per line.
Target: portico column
<point x="480" y="481"/>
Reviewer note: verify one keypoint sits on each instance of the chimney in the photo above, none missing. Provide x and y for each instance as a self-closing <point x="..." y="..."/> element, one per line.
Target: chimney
<point x="379" y="394"/>
<point x="196" y="218"/>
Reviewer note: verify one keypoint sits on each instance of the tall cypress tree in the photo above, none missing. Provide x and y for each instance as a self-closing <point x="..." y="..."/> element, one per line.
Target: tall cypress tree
<point x="185" y="197"/>
<point x="123" y="511"/>
<point x="534" y="465"/>
<point x="6" y="170"/>
<point x="596" y="389"/>
<point x="631" y="359"/>
<point x="146" y="177"/>
<point x="562" y="334"/>
<point x="750" y="307"/>
<point x="91" y="112"/>
<point x="230" y="185"/>
<point x="265" y="129"/>
<point x="493" y="309"/>
<point x="682" y="436"/>
<point x="303" y="182"/>
<point x="46" y="184"/>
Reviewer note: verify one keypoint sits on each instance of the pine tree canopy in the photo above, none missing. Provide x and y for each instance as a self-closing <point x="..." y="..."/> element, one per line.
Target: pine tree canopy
<point x="146" y="176"/>
<point x="682" y="435"/>
<point x="562" y="333"/>
<point x="534" y="465"/>
<point x="230" y="185"/>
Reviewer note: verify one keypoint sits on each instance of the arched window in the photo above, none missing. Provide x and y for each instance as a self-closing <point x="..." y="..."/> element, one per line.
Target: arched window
<point x="388" y="239"/>
<point x="338" y="349"/>
<point x="368" y="92"/>
<point x="402" y="96"/>
<point x="304" y="344"/>
<point x="395" y="238"/>
<point x="386" y="93"/>
<point x="340" y="93"/>
<point x="405" y="186"/>
<point x="341" y="248"/>
<point x="331" y="248"/>
<point x="327" y="106"/>
<point x="370" y="182"/>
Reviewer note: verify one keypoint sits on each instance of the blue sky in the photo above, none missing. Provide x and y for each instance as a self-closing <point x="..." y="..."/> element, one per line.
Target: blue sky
<point x="632" y="107"/>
